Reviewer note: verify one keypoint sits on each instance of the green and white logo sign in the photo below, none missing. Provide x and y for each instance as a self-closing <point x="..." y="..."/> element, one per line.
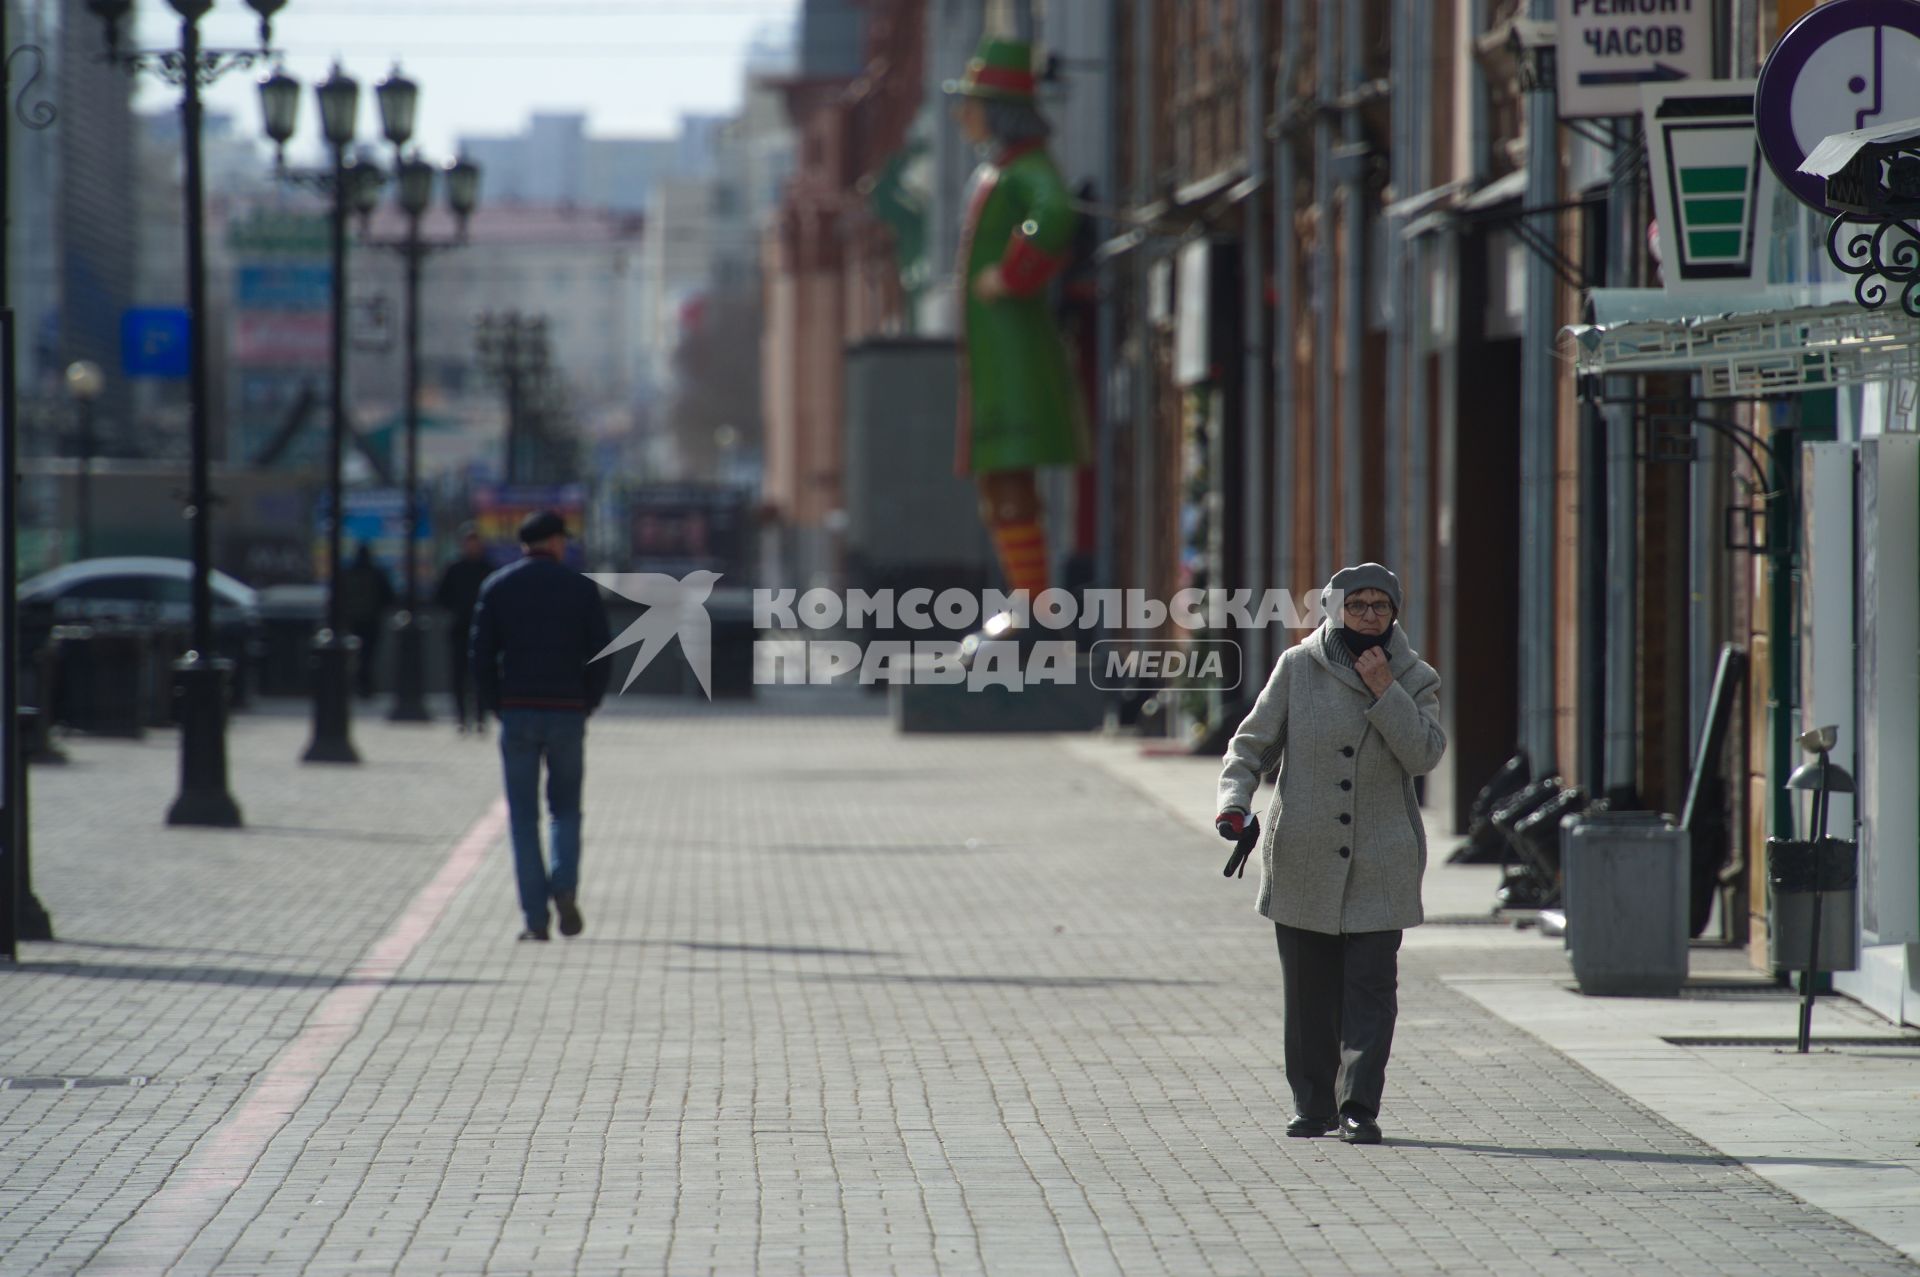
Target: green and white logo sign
<point x="1712" y="194"/>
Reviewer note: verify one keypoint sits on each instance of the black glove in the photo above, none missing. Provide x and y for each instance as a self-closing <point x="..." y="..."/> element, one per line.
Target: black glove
<point x="1242" y="848"/>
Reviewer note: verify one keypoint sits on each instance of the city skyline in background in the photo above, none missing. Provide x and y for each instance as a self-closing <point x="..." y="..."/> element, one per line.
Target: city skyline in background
<point x="632" y="69"/>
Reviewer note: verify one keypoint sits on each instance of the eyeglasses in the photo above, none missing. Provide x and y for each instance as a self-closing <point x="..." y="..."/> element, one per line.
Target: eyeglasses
<point x="1369" y="609"/>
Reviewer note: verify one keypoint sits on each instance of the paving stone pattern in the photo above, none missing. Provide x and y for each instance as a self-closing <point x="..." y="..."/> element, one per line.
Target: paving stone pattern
<point x="847" y="1002"/>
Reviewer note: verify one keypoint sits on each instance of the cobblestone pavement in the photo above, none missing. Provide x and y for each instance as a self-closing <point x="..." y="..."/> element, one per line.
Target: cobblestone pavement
<point x="847" y="1002"/>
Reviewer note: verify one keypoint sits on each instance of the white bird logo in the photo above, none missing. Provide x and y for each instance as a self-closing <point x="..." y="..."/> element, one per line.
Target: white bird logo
<point x="674" y="608"/>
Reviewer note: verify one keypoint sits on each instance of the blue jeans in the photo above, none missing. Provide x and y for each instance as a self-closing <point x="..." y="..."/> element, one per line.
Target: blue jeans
<point x="560" y="737"/>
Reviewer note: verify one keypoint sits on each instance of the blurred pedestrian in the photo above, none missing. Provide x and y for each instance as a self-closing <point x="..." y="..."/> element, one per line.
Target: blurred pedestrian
<point x="365" y="596"/>
<point x="457" y="594"/>
<point x="1350" y="716"/>
<point x="536" y="630"/>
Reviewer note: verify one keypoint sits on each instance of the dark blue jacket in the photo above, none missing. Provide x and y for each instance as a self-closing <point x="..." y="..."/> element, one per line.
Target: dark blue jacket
<point x="536" y="630"/>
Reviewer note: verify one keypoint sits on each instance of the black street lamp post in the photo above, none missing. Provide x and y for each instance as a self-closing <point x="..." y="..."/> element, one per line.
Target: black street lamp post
<point x="21" y="915"/>
<point x="200" y="677"/>
<point x="414" y="179"/>
<point x="347" y="184"/>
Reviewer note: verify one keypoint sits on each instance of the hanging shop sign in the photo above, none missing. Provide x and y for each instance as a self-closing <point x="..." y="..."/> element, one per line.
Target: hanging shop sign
<point x="1712" y="194"/>
<point x="1610" y="48"/>
<point x="1849" y="64"/>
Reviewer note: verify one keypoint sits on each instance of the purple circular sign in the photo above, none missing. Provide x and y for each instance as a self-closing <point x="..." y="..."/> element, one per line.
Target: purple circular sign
<point x="1849" y="64"/>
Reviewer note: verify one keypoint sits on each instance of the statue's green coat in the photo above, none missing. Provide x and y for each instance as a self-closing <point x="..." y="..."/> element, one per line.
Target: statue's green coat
<point x="1020" y="405"/>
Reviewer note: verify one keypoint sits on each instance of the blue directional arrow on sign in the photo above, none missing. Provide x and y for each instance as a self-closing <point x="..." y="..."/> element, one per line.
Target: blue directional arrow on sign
<point x="1640" y="75"/>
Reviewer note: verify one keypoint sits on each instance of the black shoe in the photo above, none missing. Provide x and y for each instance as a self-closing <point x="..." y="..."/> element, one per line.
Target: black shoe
<point x="531" y="934"/>
<point x="1305" y="1128"/>
<point x="571" y="923"/>
<point x="1355" y="1129"/>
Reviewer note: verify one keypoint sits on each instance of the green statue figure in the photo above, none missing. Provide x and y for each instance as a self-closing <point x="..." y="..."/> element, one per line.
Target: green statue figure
<point x="1019" y="403"/>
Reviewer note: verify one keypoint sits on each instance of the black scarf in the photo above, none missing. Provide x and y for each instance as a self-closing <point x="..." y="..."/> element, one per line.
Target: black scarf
<point x="1359" y="643"/>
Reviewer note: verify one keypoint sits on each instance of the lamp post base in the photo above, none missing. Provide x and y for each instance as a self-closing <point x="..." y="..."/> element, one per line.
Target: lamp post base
<point x="30" y="918"/>
<point x="200" y="706"/>
<point x="409" y="671"/>
<point x="332" y="700"/>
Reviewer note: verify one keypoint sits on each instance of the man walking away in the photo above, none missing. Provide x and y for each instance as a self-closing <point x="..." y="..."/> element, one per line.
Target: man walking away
<point x="458" y="594"/>
<point x="536" y="629"/>
<point x="365" y="596"/>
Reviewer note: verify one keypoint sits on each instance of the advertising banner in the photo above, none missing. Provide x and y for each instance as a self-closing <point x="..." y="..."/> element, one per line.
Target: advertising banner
<point x="283" y="285"/>
<point x="499" y="509"/>
<point x="377" y="519"/>
<point x="282" y="339"/>
<point x="681" y="528"/>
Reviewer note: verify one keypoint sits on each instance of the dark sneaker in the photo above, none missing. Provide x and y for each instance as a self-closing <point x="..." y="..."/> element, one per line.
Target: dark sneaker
<point x="571" y="923"/>
<point x="1306" y="1128"/>
<point x="1355" y="1129"/>
<point x="531" y="934"/>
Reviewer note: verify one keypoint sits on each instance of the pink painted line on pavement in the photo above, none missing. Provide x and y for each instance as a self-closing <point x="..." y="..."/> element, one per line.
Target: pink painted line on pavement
<point x="160" y="1232"/>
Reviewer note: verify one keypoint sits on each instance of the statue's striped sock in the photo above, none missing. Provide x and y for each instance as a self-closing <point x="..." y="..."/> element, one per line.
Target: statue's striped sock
<point x="1023" y="555"/>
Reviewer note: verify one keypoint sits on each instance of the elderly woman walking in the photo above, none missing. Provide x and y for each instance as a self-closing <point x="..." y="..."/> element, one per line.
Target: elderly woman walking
<point x="1350" y="716"/>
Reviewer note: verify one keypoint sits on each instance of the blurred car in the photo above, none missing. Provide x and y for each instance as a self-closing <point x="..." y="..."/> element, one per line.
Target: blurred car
<point x="148" y="594"/>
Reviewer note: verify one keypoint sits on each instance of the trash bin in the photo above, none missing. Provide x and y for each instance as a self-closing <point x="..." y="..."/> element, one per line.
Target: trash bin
<point x="1796" y="869"/>
<point x="103" y="679"/>
<point x="733" y="639"/>
<point x="1625" y="876"/>
<point x="289" y="617"/>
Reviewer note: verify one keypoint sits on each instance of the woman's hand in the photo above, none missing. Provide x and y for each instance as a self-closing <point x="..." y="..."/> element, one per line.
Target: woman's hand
<point x="990" y="285"/>
<point x="1230" y="824"/>
<point x="1373" y="671"/>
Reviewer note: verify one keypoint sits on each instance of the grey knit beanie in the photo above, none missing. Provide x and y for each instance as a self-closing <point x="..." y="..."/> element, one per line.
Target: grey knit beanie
<point x="1367" y="576"/>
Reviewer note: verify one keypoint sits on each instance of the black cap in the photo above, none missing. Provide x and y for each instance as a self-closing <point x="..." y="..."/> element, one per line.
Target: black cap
<point x="540" y="527"/>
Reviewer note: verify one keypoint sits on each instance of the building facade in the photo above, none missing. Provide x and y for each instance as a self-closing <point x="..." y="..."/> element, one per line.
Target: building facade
<point x="581" y="272"/>
<point x="1329" y="295"/>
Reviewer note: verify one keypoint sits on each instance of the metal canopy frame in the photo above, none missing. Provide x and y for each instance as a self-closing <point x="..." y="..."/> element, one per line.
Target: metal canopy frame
<point x="1758" y="354"/>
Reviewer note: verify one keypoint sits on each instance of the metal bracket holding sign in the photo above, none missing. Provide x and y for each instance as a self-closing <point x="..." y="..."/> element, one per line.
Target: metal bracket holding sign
<point x="1610" y="48"/>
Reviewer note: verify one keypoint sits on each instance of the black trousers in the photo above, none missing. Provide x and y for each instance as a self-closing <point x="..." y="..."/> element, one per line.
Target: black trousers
<point x="459" y="667"/>
<point x="1341" y="1001"/>
<point x="369" y="634"/>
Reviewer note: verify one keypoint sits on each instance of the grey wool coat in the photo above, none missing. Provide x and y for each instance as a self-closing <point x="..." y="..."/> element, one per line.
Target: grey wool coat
<point x="1342" y="846"/>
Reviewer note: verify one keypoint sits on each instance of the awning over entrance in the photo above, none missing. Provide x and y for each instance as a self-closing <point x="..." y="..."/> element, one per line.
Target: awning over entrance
<point x="1750" y="344"/>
